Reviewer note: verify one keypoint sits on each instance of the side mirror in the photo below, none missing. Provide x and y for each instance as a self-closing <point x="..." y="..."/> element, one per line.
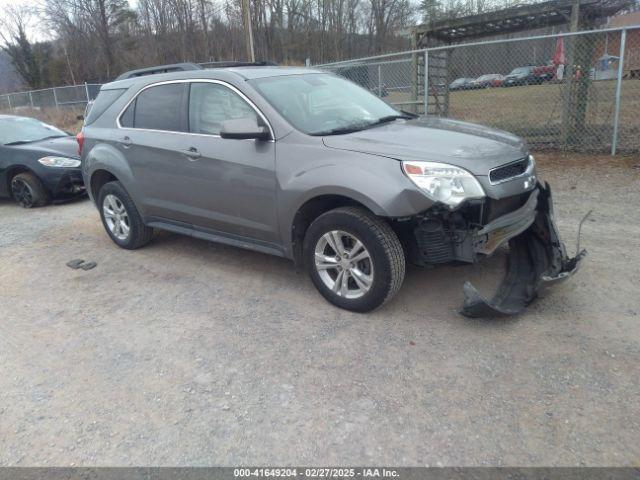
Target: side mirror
<point x="244" y="128"/>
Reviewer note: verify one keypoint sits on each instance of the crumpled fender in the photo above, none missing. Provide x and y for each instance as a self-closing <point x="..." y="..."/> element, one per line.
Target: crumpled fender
<point x="537" y="259"/>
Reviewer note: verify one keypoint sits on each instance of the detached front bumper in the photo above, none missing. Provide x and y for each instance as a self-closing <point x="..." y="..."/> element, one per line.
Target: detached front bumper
<point x="537" y="257"/>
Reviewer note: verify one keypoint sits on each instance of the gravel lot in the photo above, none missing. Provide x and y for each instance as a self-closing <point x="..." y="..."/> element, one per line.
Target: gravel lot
<point x="191" y="353"/>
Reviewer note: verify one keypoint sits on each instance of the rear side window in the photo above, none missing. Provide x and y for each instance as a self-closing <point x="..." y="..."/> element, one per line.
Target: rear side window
<point x="158" y="108"/>
<point x="103" y="101"/>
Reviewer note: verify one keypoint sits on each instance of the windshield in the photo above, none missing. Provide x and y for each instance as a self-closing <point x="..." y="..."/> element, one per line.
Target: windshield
<point x="517" y="71"/>
<point x="24" y="130"/>
<point x="324" y="104"/>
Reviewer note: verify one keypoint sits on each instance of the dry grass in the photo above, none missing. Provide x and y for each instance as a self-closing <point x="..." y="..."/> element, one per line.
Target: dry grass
<point x="535" y="112"/>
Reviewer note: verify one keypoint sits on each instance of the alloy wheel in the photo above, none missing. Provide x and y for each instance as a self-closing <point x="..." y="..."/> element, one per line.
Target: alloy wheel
<point x="344" y="264"/>
<point x="22" y="192"/>
<point x="116" y="217"/>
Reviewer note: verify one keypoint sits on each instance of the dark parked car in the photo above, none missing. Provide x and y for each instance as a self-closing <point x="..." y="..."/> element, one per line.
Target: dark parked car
<point x="485" y="81"/>
<point x="460" y="84"/>
<point x="309" y="166"/>
<point x="520" y="76"/>
<point x="38" y="162"/>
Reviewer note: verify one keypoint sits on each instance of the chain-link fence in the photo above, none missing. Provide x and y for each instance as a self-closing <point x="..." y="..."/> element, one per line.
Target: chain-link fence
<point x="578" y="91"/>
<point x="573" y="90"/>
<point x="73" y="96"/>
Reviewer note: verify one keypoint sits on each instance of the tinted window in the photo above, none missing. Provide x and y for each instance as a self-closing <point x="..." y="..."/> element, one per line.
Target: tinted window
<point x="101" y="103"/>
<point x="210" y="104"/>
<point x="161" y="108"/>
<point x="126" y="120"/>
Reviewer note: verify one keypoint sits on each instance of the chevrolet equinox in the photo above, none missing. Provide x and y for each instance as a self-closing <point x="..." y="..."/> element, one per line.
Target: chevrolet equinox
<point x="307" y="165"/>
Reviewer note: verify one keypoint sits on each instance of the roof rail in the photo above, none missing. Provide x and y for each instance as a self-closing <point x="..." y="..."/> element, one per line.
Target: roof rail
<point x="232" y="63"/>
<point x="175" y="67"/>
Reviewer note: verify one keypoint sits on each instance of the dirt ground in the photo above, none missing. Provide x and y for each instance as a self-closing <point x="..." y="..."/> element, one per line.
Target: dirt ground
<point x="191" y="353"/>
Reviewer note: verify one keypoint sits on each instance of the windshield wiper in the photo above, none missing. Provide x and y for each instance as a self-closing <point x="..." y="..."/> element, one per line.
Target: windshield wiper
<point x="340" y="130"/>
<point x="389" y="118"/>
<point x="354" y="128"/>
<point x="22" y="142"/>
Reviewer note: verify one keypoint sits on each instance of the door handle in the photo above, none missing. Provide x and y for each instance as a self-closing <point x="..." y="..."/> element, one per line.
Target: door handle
<point x="192" y="153"/>
<point x="126" y="142"/>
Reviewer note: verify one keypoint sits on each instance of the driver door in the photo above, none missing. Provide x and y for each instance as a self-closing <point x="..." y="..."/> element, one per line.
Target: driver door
<point x="232" y="183"/>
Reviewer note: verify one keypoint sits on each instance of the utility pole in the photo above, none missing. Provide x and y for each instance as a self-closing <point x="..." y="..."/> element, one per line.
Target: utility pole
<point x="570" y="42"/>
<point x="248" y="31"/>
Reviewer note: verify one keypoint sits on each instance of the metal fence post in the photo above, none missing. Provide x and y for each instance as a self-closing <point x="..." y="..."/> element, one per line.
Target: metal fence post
<point x="9" y="100"/>
<point x="426" y="82"/>
<point x="616" y="115"/>
<point x="55" y="98"/>
<point x="379" y="80"/>
<point x="31" y="99"/>
<point x="86" y="91"/>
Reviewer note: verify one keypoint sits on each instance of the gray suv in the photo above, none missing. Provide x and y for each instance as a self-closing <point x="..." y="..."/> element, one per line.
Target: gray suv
<point x="309" y="166"/>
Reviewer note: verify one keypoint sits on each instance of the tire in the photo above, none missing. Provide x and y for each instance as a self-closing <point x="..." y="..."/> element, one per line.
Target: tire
<point x="383" y="269"/>
<point x="28" y="191"/>
<point x="120" y="217"/>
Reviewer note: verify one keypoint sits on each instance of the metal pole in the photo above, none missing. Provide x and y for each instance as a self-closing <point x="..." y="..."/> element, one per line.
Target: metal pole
<point x="9" y="100"/>
<point x="55" y="98"/>
<point x="616" y="116"/>
<point x="426" y="82"/>
<point x="31" y="99"/>
<point x="379" y="81"/>
<point x="86" y="91"/>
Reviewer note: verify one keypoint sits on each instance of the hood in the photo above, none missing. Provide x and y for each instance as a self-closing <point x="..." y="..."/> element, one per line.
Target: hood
<point x="473" y="147"/>
<point x="62" y="146"/>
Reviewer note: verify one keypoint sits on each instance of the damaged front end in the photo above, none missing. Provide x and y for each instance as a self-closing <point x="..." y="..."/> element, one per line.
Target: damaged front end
<point x="537" y="257"/>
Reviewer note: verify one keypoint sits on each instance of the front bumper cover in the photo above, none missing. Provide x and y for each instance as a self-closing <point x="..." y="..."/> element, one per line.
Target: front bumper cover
<point x="537" y="258"/>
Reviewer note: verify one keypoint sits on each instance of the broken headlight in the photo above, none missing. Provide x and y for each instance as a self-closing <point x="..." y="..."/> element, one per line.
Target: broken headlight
<point x="443" y="182"/>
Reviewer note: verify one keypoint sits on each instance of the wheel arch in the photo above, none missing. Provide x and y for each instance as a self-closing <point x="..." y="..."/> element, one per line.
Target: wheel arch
<point x="98" y="179"/>
<point x="312" y="209"/>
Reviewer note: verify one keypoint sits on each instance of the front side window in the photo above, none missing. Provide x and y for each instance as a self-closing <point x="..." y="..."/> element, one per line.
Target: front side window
<point x="157" y="108"/>
<point x="211" y="104"/>
<point x="317" y="103"/>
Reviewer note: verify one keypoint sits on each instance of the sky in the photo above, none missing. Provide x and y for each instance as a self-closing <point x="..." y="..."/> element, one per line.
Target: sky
<point x="34" y="32"/>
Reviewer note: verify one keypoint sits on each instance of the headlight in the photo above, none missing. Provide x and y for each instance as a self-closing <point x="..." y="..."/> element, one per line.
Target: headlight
<point x="63" y="162"/>
<point x="442" y="182"/>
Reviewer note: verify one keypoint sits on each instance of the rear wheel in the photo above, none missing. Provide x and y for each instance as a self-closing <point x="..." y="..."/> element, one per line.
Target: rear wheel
<point x="121" y="219"/>
<point x="28" y="191"/>
<point x="355" y="259"/>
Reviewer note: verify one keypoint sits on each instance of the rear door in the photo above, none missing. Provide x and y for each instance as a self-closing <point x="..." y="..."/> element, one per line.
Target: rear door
<point x="153" y="137"/>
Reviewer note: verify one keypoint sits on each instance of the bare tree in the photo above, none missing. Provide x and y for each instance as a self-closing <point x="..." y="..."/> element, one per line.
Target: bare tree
<point x="14" y="24"/>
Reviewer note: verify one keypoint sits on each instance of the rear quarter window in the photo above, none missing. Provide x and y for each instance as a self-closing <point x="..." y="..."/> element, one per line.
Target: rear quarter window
<point x="103" y="101"/>
<point x="162" y="107"/>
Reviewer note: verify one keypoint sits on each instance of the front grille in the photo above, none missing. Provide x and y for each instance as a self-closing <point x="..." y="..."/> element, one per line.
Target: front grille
<point x="497" y="208"/>
<point x="511" y="170"/>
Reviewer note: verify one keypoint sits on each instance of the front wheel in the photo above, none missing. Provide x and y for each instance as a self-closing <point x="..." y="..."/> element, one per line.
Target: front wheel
<point x="28" y="191"/>
<point x="355" y="259"/>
